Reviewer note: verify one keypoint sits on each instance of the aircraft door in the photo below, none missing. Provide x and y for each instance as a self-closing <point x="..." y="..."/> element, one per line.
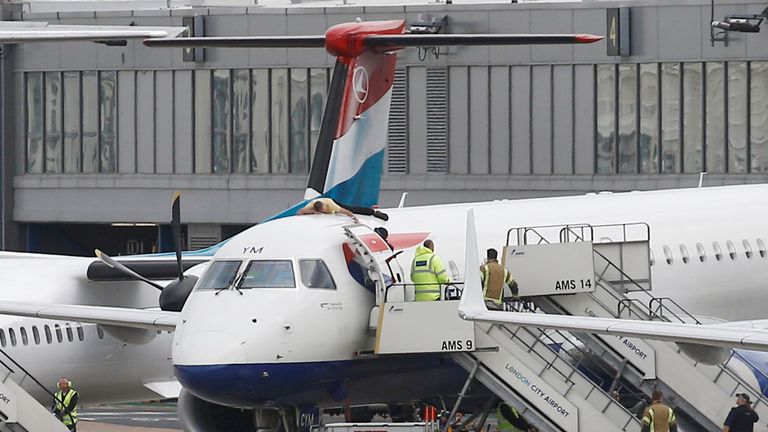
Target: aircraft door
<point x="380" y="261"/>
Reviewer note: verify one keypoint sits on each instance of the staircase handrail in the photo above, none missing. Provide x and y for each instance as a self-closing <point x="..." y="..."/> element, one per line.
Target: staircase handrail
<point x="26" y="373"/>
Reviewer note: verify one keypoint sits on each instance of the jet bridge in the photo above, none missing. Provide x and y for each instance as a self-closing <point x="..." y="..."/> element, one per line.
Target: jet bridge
<point x="20" y="412"/>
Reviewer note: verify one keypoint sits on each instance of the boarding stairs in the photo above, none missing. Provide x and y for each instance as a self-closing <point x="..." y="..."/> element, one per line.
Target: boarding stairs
<point x="517" y="364"/>
<point x="19" y="411"/>
<point x="622" y="289"/>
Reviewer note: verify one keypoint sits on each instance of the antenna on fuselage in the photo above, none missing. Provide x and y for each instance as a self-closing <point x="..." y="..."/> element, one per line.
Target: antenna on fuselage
<point x="401" y="204"/>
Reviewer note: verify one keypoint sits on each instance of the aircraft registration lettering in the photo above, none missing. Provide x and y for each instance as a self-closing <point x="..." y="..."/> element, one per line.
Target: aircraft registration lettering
<point x="4" y="398"/>
<point x="252" y="250"/>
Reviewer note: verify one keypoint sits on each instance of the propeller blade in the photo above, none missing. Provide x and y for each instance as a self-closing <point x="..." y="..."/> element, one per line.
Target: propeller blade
<point x="240" y="42"/>
<point x="106" y="259"/>
<point x="176" y="227"/>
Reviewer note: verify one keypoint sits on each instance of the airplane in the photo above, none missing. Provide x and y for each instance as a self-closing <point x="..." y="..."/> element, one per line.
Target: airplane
<point x="280" y="316"/>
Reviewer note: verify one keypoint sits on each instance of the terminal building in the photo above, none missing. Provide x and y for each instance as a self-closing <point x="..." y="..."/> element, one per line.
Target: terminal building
<point x="96" y="138"/>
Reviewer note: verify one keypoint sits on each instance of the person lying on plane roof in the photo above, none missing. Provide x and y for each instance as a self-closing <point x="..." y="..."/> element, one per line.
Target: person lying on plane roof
<point x="329" y="206"/>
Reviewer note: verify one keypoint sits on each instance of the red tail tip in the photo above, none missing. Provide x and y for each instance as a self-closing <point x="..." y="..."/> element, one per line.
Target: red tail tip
<point x="587" y="38"/>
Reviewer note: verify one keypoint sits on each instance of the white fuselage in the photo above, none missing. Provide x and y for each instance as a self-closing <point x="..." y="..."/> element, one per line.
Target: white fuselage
<point x="246" y="347"/>
<point x="102" y="367"/>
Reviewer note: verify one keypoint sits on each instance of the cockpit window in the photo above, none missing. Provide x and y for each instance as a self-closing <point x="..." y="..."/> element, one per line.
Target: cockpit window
<point x="219" y="275"/>
<point x="315" y="274"/>
<point x="268" y="274"/>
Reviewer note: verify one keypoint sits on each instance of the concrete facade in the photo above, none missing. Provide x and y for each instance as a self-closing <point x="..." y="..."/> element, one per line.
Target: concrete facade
<point x="520" y="121"/>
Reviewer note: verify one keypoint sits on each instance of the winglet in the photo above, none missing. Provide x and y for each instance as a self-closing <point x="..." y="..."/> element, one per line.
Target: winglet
<point x="471" y="303"/>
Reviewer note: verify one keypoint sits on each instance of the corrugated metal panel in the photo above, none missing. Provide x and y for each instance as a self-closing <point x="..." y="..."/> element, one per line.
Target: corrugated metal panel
<point x="437" y="119"/>
<point x="397" y="136"/>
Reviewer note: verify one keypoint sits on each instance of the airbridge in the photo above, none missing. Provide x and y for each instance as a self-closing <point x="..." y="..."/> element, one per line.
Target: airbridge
<point x="562" y="380"/>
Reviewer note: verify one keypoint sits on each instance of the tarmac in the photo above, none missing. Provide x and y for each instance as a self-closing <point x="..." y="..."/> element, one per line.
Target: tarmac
<point x="87" y="426"/>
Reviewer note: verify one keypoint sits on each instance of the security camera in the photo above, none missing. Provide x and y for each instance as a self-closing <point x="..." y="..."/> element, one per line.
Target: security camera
<point x="741" y="23"/>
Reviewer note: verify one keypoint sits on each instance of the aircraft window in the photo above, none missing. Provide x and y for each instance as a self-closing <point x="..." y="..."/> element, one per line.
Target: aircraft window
<point x="314" y="274"/>
<point x="24" y="337"/>
<point x="747" y="248"/>
<point x="68" y="328"/>
<point x="684" y="253"/>
<point x="3" y="341"/>
<point x="80" y="333"/>
<point x="731" y="249"/>
<point x="701" y="251"/>
<point x="57" y="330"/>
<point x="653" y="259"/>
<point x="12" y="336"/>
<point x="761" y="248"/>
<point x="36" y="335"/>
<point x="718" y="251"/>
<point x="269" y="274"/>
<point x="219" y="275"/>
<point x="668" y="254"/>
<point x="100" y="332"/>
<point x="48" y="336"/>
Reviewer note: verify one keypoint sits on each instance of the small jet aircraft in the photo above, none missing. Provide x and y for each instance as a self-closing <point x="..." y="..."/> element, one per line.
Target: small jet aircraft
<point x="280" y="316"/>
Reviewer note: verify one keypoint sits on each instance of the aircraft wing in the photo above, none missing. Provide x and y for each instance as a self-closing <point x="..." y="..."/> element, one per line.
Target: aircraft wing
<point x="746" y="335"/>
<point x="30" y="31"/>
<point x="151" y="319"/>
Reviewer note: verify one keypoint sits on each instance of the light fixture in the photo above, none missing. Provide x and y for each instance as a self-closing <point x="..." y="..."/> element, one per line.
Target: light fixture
<point x="743" y="23"/>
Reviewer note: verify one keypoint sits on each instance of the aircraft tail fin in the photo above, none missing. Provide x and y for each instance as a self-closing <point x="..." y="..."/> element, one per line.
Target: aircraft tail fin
<point x="349" y="159"/>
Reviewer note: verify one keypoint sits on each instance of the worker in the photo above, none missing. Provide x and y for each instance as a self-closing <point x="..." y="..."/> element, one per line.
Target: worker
<point x="742" y="417"/>
<point x="494" y="277"/>
<point x="65" y="404"/>
<point x="510" y="420"/>
<point x="329" y="206"/>
<point x="658" y="417"/>
<point x="427" y="273"/>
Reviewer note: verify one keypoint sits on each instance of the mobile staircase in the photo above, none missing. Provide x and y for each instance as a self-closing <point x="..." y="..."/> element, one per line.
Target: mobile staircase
<point x="621" y="288"/>
<point x="19" y="411"/>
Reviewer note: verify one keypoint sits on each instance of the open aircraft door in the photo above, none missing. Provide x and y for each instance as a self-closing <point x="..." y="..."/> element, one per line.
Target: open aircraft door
<point x="379" y="260"/>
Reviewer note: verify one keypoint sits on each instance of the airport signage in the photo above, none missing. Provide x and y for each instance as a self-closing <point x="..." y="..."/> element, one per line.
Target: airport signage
<point x="551" y="269"/>
<point x="533" y="388"/>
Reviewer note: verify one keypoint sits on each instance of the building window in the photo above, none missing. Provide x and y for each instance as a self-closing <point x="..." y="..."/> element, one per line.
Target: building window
<point x="299" y="113"/>
<point x="35" y="122"/>
<point x="108" y="121"/>
<point x="715" y="119"/>
<point x="649" y="117"/>
<point x="737" y="117"/>
<point x="605" y="136"/>
<point x="53" y="123"/>
<point x="758" y="117"/>
<point x="241" y="119"/>
<point x="670" y="118"/>
<point x="71" y="112"/>
<point x="260" y="118"/>
<point x="627" y="145"/>
<point x="693" y="118"/>
<point x="220" y="121"/>
<point x="279" y="113"/>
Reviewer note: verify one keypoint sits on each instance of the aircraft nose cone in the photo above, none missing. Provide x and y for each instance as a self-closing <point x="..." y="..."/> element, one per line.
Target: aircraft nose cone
<point x="208" y="348"/>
